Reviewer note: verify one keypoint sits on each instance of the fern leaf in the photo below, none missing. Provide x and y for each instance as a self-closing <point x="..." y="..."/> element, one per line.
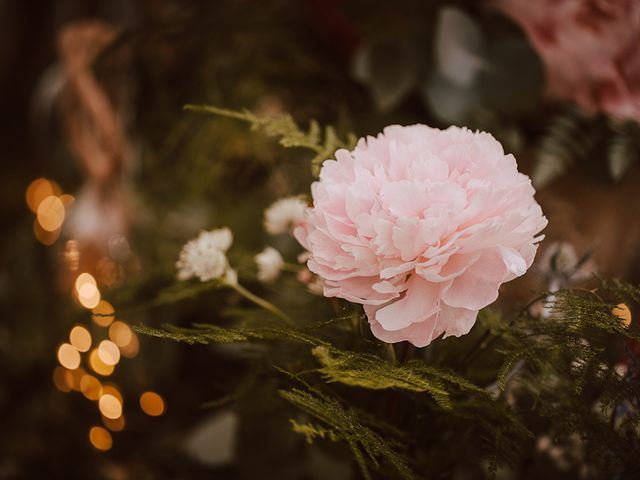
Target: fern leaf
<point x="624" y="149"/>
<point x="504" y="374"/>
<point x="372" y="372"/>
<point x="208" y="333"/>
<point x="284" y="127"/>
<point x="311" y="431"/>
<point x="571" y="137"/>
<point x="347" y="425"/>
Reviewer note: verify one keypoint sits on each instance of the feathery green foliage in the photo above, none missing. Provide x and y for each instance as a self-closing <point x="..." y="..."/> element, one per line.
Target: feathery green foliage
<point x="624" y="148"/>
<point x="284" y="127"/>
<point x="571" y="137"/>
<point x="208" y="333"/>
<point x="374" y="373"/>
<point x="347" y="425"/>
<point x="311" y="431"/>
<point x="568" y="374"/>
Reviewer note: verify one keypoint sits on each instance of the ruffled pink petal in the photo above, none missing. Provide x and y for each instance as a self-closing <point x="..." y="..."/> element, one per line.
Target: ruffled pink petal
<point x="420" y="301"/>
<point x="478" y="286"/>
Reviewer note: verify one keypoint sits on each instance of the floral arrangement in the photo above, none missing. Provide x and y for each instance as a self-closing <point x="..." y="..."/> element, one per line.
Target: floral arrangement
<point x="407" y="269"/>
<point x="415" y="230"/>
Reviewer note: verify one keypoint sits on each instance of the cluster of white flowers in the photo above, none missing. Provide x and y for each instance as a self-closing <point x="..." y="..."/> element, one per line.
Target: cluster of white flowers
<point x="284" y="214"/>
<point x="205" y="257"/>
<point x="270" y="264"/>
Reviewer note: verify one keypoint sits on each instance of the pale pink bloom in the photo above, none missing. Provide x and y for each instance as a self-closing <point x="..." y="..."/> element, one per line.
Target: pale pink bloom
<point x="270" y="264"/>
<point x="205" y="256"/>
<point x="284" y="214"/>
<point x="313" y="282"/>
<point x="590" y="49"/>
<point x="421" y="226"/>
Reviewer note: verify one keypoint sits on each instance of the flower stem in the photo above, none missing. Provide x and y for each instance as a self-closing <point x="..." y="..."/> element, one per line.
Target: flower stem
<point x="391" y="353"/>
<point x="291" y="267"/>
<point x="261" y="302"/>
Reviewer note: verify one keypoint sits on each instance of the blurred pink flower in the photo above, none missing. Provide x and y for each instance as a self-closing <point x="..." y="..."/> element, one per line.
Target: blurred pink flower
<point x="590" y="49"/>
<point x="421" y="226"/>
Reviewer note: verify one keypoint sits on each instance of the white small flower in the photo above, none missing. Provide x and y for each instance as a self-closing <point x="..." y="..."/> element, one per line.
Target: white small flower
<point x="284" y="214"/>
<point x="270" y="264"/>
<point x="204" y="257"/>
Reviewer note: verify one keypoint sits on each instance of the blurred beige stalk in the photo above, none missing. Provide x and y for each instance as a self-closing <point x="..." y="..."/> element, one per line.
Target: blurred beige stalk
<point x="97" y="139"/>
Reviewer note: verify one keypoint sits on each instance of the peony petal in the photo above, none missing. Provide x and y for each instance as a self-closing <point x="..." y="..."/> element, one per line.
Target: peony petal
<point x="419" y="334"/>
<point x="419" y="302"/>
<point x="478" y="286"/>
<point x="456" y="321"/>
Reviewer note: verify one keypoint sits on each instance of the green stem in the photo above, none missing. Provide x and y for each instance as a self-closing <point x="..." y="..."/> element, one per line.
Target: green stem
<point x="261" y="302"/>
<point x="291" y="267"/>
<point x="391" y="353"/>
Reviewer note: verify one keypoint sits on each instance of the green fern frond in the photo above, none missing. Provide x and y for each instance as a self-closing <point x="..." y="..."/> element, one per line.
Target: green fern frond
<point x="284" y="127"/>
<point x="347" y="425"/>
<point x="311" y="431"/>
<point x="372" y="372"/>
<point x="507" y="367"/>
<point x="571" y="137"/>
<point x="214" y="334"/>
<point x="208" y="333"/>
<point x="624" y="148"/>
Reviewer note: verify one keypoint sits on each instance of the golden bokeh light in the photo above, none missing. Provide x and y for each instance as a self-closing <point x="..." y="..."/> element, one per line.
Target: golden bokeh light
<point x="51" y="213"/>
<point x="90" y="387"/>
<point x="103" y="313"/>
<point x="67" y="199"/>
<point x="152" y="404"/>
<point x="80" y="338"/>
<point x="623" y="313"/>
<point x="131" y="349"/>
<point x="114" y="424"/>
<point x="77" y="375"/>
<point x="68" y="356"/>
<point x="111" y="389"/>
<point x="98" y="365"/>
<point x="100" y="438"/>
<point x="38" y="190"/>
<point x="110" y="406"/>
<point x="43" y="236"/>
<point x="120" y="333"/>
<point x="109" y="352"/>
<point x="87" y="290"/>
<point x="84" y="279"/>
<point x="63" y="379"/>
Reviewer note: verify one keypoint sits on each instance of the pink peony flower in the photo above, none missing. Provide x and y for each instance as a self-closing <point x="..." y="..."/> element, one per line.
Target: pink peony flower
<point x="590" y="50"/>
<point x="421" y="226"/>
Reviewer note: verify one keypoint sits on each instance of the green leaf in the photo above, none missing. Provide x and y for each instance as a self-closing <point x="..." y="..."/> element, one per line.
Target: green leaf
<point x="347" y="425"/>
<point x="624" y="149"/>
<point x="284" y="127"/>
<point x="507" y="367"/>
<point x="572" y="136"/>
<point x="389" y="69"/>
<point x="208" y="333"/>
<point x="372" y="372"/>
<point x="311" y="431"/>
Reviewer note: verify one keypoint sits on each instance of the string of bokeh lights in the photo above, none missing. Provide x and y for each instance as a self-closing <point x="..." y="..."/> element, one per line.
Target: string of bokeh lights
<point x="100" y="344"/>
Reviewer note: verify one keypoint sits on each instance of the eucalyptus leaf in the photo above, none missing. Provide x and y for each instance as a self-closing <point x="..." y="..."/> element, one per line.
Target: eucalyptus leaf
<point x="512" y="78"/>
<point x="389" y="69"/>
<point x="458" y="45"/>
<point x="450" y="103"/>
